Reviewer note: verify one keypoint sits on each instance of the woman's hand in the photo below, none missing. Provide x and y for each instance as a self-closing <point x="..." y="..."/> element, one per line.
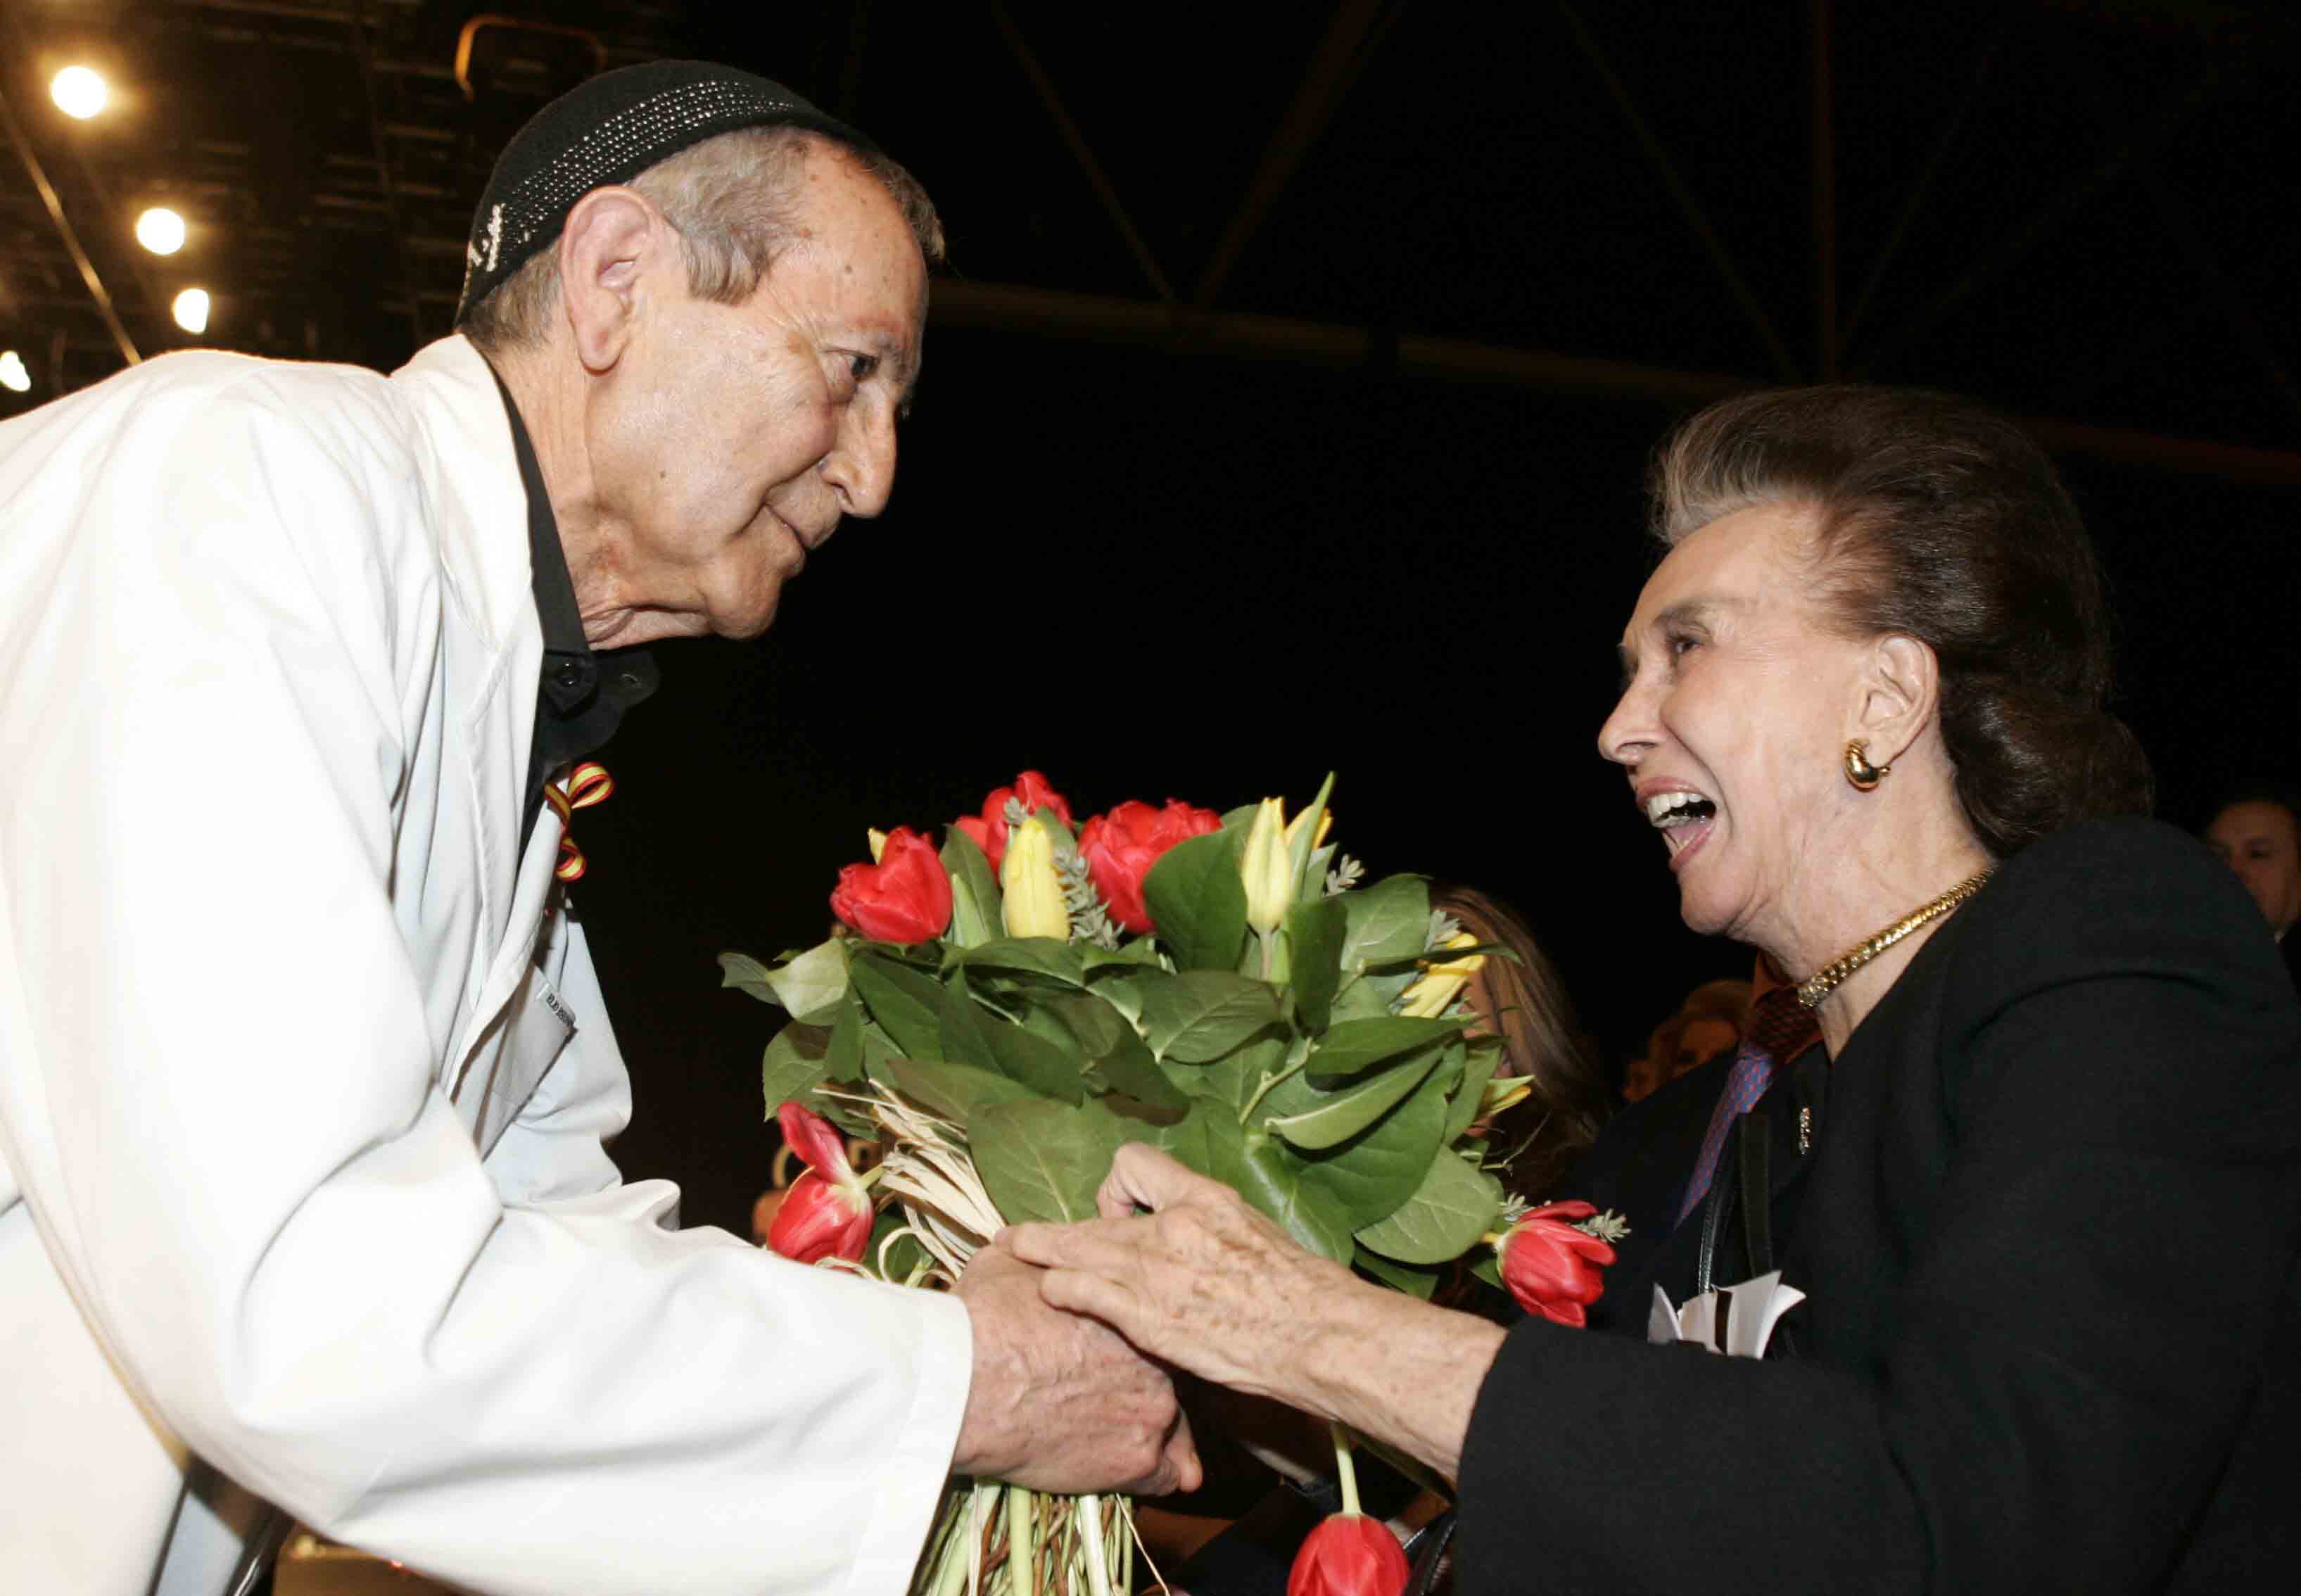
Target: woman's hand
<point x="1209" y="1284"/>
<point x="1201" y="1281"/>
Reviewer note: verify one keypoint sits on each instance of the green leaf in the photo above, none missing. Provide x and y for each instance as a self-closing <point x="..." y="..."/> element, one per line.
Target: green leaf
<point x="1449" y="1210"/>
<point x="973" y="1035"/>
<point x="1314" y="944"/>
<point x="1201" y="1014"/>
<point x="1371" y="1175"/>
<point x="1128" y="1119"/>
<point x="842" y="1058"/>
<point x="1097" y="1027"/>
<point x="1384" y="922"/>
<point x="1195" y="896"/>
<point x="975" y="903"/>
<point x="1237" y="1075"/>
<point x="1351" y="1047"/>
<point x="1119" y="1058"/>
<point x="906" y="1255"/>
<point x="1040" y="1160"/>
<point x="1348" y="1112"/>
<point x="806" y="986"/>
<point x="957" y="1091"/>
<point x="1489" y="1268"/>
<point x="1404" y="1277"/>
<point x="1134" y="951"/>
<point x="1477" y="1068"/>
<point x="1368" y="998"/>
<point x="961" y="1030"/>
<point x="748" y="974"/>
<point x="1272" y="1178"/>
<point x="906" y="1002"/>
<point x="1124" y="989"/>
<point x="1139" y="1077"/>
<point x="1209" y="1139"/>
<point x="793" y="1064"/>
<point x="1037" y="1063"/>
<point x="1032" y="955"/>
<point x="1306" y="836"/>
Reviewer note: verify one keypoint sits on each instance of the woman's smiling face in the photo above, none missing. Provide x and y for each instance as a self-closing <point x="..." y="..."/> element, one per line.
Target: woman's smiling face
<point x="1736" y="708"/>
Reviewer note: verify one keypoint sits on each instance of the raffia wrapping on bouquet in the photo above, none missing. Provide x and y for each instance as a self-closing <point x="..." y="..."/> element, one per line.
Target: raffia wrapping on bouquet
<point x="988" y="1537"/>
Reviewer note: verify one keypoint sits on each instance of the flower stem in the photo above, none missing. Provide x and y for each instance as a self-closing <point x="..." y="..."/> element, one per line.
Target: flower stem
<point x="1098" y="1552"/>
<point x="1269" y="1080"/>
<point x="1022" y="1542"/>
<point x="978" y="1508"/>
<point x="1343" y="1472"/>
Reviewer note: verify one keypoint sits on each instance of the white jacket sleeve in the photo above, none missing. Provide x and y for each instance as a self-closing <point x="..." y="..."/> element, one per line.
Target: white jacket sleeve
<point x="220" y="1095"/>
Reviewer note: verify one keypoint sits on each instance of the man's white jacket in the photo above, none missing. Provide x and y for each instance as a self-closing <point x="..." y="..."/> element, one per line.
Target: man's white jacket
<point x="304" y="1072"/>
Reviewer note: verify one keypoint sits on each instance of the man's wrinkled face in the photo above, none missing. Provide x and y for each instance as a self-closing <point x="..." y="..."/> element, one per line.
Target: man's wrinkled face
<point x="2259" y="841"/>
<point x="736" y="437"/>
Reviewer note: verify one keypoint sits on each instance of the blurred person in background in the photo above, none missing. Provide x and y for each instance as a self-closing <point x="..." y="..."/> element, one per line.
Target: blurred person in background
<point x="1644" y="1073"/>
<point x="2256" y="832"/>
<point x="1705" y="1027"/>
<point x="1522" y="1000"/>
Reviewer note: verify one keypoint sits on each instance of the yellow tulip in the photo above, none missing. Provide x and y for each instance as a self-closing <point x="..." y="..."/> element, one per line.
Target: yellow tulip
<point x="878" y="840"/>
<point x="1506" y="1093"/>
<point x="1266" y="869"/>
<point x="1033" y="903"/>
<point x="1434" y="991"/>
<point x="1326" y="824"/>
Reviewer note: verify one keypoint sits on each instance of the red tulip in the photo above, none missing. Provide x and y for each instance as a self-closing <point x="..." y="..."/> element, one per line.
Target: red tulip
<point x="819" y="1220"/>
<point x="1119" y="848"/>
<point x="1349" y="1554"/>
<point x="826" y="1213"/>
<point x="990" y="830"/>
<point x="1552" y="1267"/>
<point x="904" y="898"/>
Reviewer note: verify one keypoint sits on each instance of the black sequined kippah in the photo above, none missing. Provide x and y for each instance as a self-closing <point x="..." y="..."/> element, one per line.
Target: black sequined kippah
<point x="609" y="130"/>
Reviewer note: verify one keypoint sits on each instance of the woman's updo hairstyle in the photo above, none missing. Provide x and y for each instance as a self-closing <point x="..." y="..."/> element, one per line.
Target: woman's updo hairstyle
<point x="1943" y="521"/>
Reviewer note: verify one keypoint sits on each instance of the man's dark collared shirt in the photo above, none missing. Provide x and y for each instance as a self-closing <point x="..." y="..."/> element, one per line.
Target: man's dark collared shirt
<point x="582" y="696"/>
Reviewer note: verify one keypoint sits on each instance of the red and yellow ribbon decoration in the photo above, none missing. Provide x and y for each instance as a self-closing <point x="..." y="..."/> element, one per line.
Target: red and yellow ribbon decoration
<point x="587" y="784"/>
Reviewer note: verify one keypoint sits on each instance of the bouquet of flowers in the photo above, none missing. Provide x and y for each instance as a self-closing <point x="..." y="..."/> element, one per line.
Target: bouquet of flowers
<point x="999" y="1014"/>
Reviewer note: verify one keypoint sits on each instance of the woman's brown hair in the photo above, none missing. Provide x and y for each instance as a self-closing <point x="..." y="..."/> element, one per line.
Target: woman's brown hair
<point x="1540" y="1041"/>
<point x="1945" y="522"/>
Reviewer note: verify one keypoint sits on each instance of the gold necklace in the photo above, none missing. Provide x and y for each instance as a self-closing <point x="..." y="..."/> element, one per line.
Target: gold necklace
<point x="1819" y="985"/>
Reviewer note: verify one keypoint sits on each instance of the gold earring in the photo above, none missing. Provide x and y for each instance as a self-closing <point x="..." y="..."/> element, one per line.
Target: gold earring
<point x="1864" y="775"/>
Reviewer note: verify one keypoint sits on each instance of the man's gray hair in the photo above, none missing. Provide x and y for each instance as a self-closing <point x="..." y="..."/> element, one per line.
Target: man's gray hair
<point x="734" y="200"/>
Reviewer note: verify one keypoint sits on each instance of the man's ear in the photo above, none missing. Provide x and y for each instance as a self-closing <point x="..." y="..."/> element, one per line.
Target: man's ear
<point x="1901" y="690"/>
<point x="614" y="240"/>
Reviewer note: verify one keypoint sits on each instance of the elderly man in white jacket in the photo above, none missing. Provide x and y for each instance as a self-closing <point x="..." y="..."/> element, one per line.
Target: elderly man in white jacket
<point x="304" y="1071"/>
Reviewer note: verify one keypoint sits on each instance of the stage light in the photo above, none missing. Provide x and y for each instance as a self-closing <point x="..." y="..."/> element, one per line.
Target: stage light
<point x="191" y="310"/>
<point x="79" y="92"/>
<point x="13" y="377"/>
<point x="160" y="231"/>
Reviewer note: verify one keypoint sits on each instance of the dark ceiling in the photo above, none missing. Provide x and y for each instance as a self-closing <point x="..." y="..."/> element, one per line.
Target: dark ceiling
<point x="2078" y="208"/>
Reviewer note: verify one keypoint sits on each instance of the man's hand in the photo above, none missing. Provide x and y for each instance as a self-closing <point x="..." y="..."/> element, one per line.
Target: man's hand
<point x="1060" y="1402"/>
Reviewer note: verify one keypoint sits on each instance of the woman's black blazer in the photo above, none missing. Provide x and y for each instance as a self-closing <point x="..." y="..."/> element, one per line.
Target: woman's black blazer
<point x="2047" y="1227"/>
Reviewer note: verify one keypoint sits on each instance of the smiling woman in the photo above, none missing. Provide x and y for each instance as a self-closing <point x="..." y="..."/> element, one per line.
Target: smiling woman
<point x="1864" y="705"/>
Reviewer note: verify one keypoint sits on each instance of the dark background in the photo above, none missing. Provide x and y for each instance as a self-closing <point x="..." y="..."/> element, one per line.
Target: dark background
<point x="1211" y="518"/>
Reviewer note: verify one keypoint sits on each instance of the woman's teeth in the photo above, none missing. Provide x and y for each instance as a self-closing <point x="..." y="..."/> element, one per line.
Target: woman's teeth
<point x="1667" y="809"/>
<point x="1681" y="817"/>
